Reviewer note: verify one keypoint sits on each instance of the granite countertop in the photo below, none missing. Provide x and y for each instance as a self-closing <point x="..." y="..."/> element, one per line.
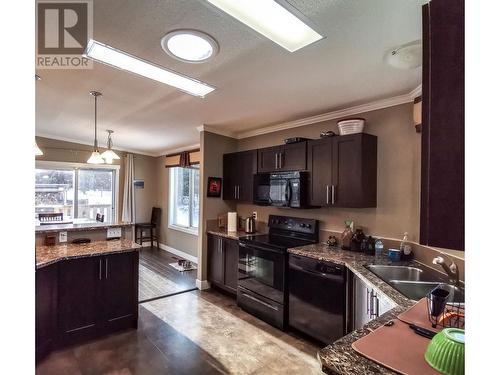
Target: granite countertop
<point x="222" y="232"/>
<point x="73" y="227"/>
<point x="340" y="357"/>
<point x="46" y="255"/>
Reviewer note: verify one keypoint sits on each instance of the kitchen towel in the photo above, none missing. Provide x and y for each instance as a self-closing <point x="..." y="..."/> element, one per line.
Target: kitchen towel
<point x="232" y="219"/>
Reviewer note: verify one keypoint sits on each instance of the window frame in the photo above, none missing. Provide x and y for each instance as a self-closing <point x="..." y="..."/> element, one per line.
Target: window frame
<point x="62" y="165"/>
<point x="172" y="187"/>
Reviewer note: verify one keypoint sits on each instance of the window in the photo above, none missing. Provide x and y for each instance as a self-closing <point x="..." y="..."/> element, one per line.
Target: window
<point x="80" y="193"/>
<point x="184" y="202"/>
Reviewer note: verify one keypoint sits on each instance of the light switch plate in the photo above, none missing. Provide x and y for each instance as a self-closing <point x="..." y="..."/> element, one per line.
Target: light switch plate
<point x="115" y="232"/>
<point x="63" y="237"/>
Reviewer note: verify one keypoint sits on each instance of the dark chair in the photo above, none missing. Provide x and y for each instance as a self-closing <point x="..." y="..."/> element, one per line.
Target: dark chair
<point x="99" y="217"/>
<point x="152" y="227"/>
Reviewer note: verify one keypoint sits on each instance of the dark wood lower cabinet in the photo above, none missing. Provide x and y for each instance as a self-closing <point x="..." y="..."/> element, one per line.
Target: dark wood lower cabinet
<point x="85" y="298"/>
<point x="223" y="263"/>
<point x="120" y="292"/>
<point x="46" y="307"/>
<point x="215" y="252"/>
<point x="79" y="292"/>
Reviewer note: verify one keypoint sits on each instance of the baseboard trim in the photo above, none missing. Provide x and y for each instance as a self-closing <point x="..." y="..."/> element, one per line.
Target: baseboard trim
<point x="202" y="284"/>
<point x="177" y="252"/>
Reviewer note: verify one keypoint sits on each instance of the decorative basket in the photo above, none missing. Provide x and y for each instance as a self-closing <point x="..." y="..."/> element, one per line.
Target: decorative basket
<point x="351" y="126"/>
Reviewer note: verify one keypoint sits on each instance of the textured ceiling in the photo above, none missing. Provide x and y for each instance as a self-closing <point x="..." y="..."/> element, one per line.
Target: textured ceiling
<point x="258" y="83"/>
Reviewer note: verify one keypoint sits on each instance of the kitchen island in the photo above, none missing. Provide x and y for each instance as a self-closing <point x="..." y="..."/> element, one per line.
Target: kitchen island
<point x="84" y="291"/>
<point x="339" y="357"/>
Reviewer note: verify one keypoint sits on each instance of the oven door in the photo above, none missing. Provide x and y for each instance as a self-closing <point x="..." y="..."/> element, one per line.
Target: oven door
<point x="262" y="271"/>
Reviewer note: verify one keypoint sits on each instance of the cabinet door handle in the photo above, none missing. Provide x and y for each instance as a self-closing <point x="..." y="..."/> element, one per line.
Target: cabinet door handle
<point x="276" y="161"/>
<point x="327" y="194"/>
<point x="106" y="268"/>
<point x="281" y="160"/>
<point x="238" y="190"/>
<point x="100" y="269"/>
<point x="367" y="302"/>
<point x="234" y="192"/>
<point x="333" y="194"/>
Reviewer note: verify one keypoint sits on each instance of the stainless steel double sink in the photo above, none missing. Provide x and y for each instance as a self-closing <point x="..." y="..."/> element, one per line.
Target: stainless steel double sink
<point x="416" y="282"/>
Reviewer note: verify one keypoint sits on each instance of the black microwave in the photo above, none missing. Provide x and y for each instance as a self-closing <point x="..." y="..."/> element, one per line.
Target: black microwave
<point x="281" y="189"/>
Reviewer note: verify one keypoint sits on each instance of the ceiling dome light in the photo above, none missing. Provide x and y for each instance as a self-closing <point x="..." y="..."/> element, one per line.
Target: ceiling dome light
<point x="189" y="46"/>
<point x="407" y="56"/>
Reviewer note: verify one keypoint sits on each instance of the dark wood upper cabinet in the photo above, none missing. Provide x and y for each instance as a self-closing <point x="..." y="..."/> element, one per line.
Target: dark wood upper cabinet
<point x="294" y="157"/>
<point x="290" y="157"/>
<point x="355" y="171"/>
<point x="320" y="171"/>
<point x="343" y="171"/>
<point x="238" y="171"/>
<point x="268" y="159"/>
<point x="442" y="174"/>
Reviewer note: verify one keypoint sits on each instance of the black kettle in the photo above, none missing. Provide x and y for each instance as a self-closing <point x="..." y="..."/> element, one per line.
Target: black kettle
<point x="250" y="225"/>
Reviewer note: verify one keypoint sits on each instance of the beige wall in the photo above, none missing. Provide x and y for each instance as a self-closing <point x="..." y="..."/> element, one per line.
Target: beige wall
<point x="213" y="147"/>
<point x="145" y="199"/>
<point x="398" y="180"/>
<point x="55" y="150"/>
<point x="185" y="242"/>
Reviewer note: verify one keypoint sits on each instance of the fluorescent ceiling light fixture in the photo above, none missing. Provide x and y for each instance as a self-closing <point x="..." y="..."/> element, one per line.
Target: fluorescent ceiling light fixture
<point x="122" y="60"/>
<point x="273" y="20"/>
<point x="189" y="45"/>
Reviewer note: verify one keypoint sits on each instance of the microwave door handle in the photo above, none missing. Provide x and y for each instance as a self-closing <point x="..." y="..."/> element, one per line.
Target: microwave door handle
<point x="288" y="193"/>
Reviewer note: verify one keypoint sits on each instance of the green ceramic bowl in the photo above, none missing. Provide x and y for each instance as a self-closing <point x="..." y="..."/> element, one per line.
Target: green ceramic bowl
<point x="446" y="352"/>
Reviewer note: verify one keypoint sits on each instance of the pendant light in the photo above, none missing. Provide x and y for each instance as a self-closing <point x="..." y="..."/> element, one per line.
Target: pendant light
<point x="96" y="157"/>
<point x="38" y="151"/>
<point x="109" y="155"/>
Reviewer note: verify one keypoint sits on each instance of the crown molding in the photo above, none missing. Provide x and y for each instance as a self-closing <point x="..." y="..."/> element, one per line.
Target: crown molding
<point x="417" y="91"/>
<point x="211" y="129"/>
<point x="179" y="149"/>
<point x="79" y="141"/>
<point x="350" y="111"/>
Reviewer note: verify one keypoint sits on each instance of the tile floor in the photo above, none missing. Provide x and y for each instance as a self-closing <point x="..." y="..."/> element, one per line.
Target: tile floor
<point x="190" y="333"/>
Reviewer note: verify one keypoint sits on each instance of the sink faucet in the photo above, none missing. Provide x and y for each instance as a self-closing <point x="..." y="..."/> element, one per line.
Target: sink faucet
<point x="451" y="270"/>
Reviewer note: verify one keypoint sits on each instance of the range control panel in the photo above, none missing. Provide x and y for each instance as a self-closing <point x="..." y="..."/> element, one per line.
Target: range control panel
<point x="295" y="224"/>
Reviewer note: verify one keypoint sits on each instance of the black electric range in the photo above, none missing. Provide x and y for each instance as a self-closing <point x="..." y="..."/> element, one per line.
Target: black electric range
<point x="263" y="270"/>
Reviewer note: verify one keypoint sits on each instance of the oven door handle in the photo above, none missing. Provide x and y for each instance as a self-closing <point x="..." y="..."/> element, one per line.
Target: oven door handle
<point x="259" y="301"/>
<point x="255" y="247"/>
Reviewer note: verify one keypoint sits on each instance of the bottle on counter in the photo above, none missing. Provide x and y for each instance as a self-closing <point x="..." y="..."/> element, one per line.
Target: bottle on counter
<point x="368" y="246"/>
<point x="405" y="247"/>
<point x="357" y="240"/>
<point x="347" y="235"/>
<point x="379" y="248"/>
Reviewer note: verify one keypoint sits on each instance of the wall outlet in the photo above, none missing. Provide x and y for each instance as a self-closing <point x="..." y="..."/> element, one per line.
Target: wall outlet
<point x="115" y="232"/>
<point x="63" y="237"/>
<point x="254" y="215"/>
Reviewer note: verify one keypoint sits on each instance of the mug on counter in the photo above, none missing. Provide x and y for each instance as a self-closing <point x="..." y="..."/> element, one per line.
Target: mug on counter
<point x="394" y="255"/>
